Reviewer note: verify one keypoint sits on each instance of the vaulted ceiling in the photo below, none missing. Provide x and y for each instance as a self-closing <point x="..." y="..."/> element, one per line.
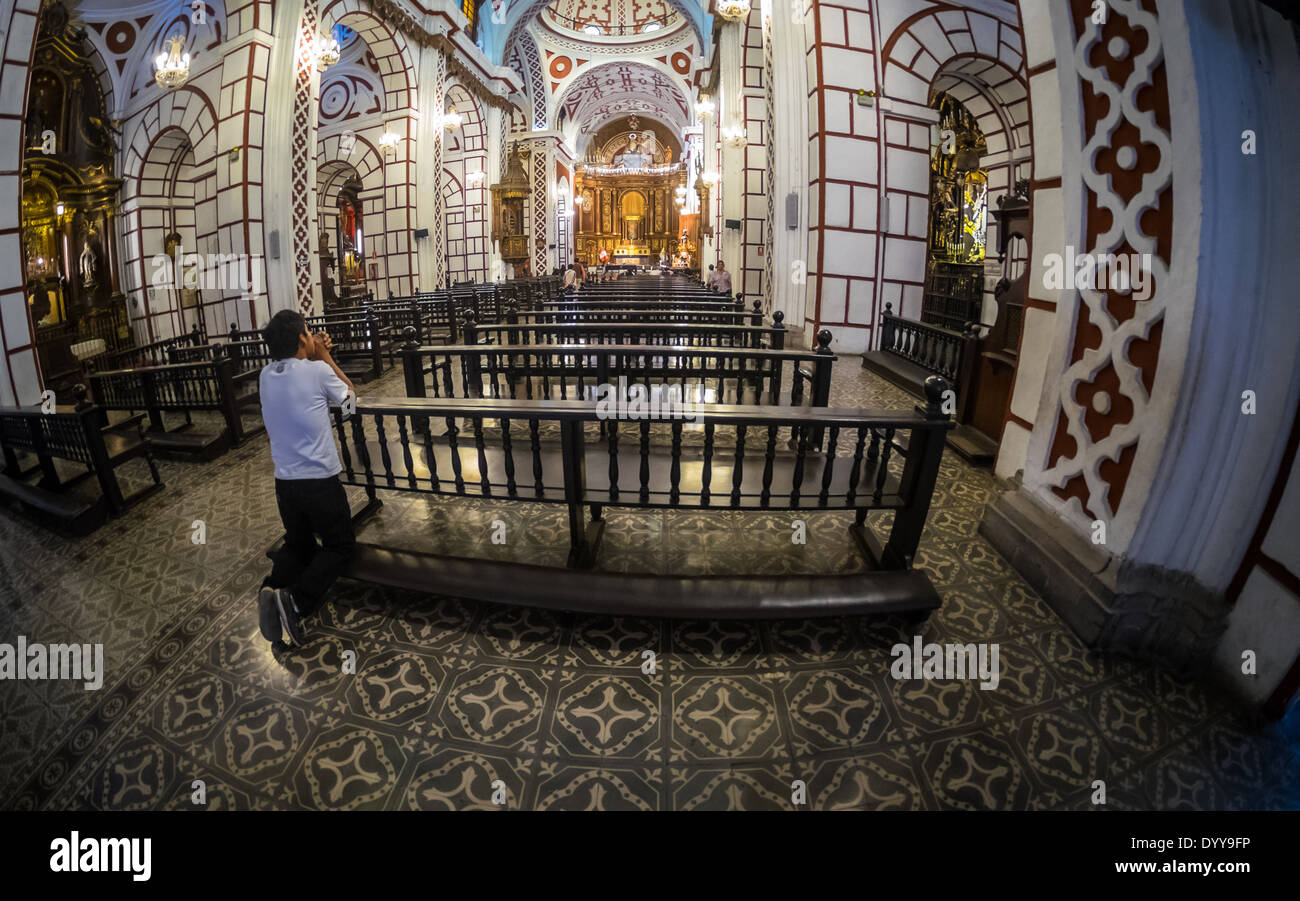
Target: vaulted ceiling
<point x="585" y="62"/>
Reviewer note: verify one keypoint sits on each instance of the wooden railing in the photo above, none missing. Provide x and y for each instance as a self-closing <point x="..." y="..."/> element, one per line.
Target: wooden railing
<point x="944" y="352"/>
<point x="683" y="334"/>
<point x="155" y="353"/>
<point x="182" y="387"/>
<point x="752" y="458"/>
<point x="703" y="375"/>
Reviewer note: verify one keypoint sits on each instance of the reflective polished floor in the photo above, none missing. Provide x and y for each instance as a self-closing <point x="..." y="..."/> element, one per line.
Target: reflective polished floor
<point x="456" y="704"/>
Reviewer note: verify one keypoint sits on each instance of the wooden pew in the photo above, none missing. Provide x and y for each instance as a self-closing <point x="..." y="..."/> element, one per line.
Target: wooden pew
<point x="582" y="303"/>
<point x="156" y="353"/>
<point x="687" y="334"/>
<point x="549" y="452"/>
<point x="359" y="343"/>
<point x="178" y="387"/>
<point x="710" y="375"/>
<point x="912" y="351"/>
<point x="72" y="434"/>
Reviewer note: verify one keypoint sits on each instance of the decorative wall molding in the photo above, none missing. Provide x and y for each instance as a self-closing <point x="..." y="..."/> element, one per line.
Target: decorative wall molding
<point x="306" y="106"/>
<point x="1103" y="401"/>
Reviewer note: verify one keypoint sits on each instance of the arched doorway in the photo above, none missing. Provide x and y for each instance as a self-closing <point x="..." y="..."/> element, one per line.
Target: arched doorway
<point x="954" y="273"/>
<point x="464" y="189"/>
<point x="367" y="122"/>
<point x="174" y="221"/>
<point x="344" y="205"/>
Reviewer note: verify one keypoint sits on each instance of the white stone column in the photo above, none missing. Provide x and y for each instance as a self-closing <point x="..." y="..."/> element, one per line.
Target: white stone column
<point x="277" y="189"/>
<point x="789" y="91"/>
<point x="731" y="115"/>
<point x="492" y="126"/>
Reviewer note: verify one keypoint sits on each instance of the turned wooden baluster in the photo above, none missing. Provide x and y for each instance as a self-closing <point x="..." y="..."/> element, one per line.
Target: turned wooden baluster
<point x="613" y="459"/>
<point x="538" y="487"/>
<point x="343" y="443"/>
<point x="675" y="471"/>
<point x="645" y="461"/>
<point x="429" y="457"/>
<point x="882" y="470"/>
<point x="834" y="437"/>
<point x="363" y="452"/>
<point x="405" y="439"/>
<point x="769" y="457"/>
<point x="382" y="437"/>
<point x="738" y="466"/>
<point x="453" y="445"/>
<point x="479" y="445"/>
<point x="799" y="464"/>
<point x="706" y="475"/>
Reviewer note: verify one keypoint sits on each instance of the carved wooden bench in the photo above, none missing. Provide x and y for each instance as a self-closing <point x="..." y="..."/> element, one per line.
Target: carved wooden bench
<point x="748" y="458"/>
<point x="73" y="435"/>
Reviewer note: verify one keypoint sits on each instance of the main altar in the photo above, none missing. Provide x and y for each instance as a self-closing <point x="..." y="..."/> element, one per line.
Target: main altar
<point x="626" y="193"/>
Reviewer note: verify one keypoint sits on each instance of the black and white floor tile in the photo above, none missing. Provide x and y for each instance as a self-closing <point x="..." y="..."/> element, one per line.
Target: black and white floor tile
<point x="455" y="704"/>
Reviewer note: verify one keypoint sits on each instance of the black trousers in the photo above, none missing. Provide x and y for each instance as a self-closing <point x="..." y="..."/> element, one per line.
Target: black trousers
<point x="311" y="508"/>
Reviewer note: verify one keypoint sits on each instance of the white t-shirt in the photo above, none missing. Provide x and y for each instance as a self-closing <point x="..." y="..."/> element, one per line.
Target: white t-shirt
<point x="296" y="395"/>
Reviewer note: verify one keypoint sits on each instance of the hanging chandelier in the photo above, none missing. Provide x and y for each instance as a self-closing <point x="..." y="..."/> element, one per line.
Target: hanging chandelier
<point x="327" y="52"/>
<point x="710" y="178"/>
<point x="705" y="107"/>
<point x="733" y="10"/>
<point x="475" y="179"/>
<point x="735" y="136"/>
<point x="174" y="65"/>
<point x="452" y="120"/>
<point x="389" y="141"/>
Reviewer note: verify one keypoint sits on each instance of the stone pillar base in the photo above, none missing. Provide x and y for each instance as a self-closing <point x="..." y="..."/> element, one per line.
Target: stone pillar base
<point x="1143" y="612"/>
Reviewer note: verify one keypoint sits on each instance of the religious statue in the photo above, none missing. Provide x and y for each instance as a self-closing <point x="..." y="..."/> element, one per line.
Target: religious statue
<point x="87" y="265"/>
<point x="634" y="157"/>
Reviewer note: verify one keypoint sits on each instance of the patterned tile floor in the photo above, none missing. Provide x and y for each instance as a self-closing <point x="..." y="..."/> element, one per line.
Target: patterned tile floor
<point x="454" y="702"/>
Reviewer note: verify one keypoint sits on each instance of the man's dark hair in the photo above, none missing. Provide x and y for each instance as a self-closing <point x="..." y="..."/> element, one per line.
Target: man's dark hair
<point x="282" y="332"/>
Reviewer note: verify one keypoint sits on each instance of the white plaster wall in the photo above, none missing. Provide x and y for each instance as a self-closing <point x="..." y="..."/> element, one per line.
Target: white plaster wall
<point x="1265" y="620"/>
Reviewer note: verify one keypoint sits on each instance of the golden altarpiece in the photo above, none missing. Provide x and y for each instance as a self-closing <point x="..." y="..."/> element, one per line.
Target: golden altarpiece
<point x="69" y="204"/>
<point x="954" y="277"/>
<point x="628" y="188"/>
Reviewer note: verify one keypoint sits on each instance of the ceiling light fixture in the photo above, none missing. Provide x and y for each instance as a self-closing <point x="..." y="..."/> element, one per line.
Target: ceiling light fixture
<point x="733" y="10"/>
<point x="174" y="65"/>
<point x="327" y="52"/>
<point x="705" y="108"/>
<point x="389" y="141"/>
<point x="452" y="120"/>
<point x="735" y="136"/>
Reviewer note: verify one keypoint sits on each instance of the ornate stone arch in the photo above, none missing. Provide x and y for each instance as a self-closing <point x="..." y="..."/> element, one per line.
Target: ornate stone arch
<point x="179" y="122"/>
